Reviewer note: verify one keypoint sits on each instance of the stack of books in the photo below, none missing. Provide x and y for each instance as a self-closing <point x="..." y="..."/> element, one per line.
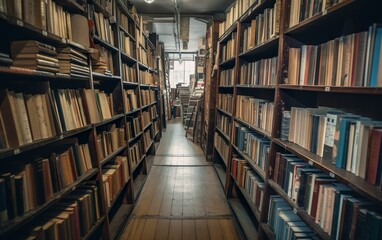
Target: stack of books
<point x="34" y="55"/>
<point x="73" y="62"/>
<point x="102" y="61"/>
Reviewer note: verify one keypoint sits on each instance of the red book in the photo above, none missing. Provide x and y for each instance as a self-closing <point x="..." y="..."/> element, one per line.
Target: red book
<point x="315" y="196"/>
<point x="234" y="168"/>
<point x="276" y="168"/>
<point x="374" y="151"/>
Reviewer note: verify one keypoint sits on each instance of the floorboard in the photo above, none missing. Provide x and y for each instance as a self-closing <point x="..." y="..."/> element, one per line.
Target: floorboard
<point x="182" y="197"/>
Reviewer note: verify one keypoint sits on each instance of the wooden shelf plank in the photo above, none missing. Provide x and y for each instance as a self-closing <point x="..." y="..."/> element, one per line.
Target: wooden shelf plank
<point x="224" y="112"/>
<point x="94" y="228"/>
<point x="111" y="156"/>
<point x="221" y="173"/>
<point x="223" y="134"/>
<point x="333" y="89"/>
<point x="243" y="218"/>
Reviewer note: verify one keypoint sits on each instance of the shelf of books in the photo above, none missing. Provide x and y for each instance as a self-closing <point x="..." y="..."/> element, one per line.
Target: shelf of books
<point x="71" y="116"/>
<point x="298" y="117"/>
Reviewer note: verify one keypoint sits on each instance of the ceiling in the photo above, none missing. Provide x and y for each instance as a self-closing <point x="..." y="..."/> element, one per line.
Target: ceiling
<point x="162" y="19"/>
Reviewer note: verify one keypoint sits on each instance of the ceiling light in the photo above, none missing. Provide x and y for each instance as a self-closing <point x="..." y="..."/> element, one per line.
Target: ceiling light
<point x="149" y="1"/>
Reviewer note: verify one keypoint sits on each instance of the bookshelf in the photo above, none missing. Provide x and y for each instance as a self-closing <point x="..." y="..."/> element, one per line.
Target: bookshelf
<point x="309" y="63"/>
<point x="81" y="94"/>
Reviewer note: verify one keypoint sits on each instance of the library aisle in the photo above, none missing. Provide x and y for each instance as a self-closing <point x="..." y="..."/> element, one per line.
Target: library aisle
<point x="182" y="198"/>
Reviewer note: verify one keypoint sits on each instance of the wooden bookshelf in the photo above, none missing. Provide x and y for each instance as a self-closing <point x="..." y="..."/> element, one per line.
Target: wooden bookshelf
<point x="111" y="83"/>
<point x="343" y="18"/>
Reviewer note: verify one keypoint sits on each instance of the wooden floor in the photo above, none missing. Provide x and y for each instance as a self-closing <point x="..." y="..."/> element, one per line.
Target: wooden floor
<point x="182" y="197"/>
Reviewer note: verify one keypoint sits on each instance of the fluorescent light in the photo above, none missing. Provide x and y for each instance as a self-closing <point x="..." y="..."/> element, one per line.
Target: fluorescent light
<point x="149" y="1"/>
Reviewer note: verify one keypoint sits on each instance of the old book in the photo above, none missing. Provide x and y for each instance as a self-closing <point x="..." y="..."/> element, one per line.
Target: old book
<point x="79" y="27"/>
<point x="374" y="157"/>
<point x="43" y="121"/>
<point x="92" y="111"/>
<point x="12" y="129"/>
<point x="3" y="202"/>
<point x="22" y="117"/>
<point x="20" y="197"/>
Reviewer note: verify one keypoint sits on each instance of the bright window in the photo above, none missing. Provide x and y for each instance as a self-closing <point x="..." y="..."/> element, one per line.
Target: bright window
<point x="180" y="72"/>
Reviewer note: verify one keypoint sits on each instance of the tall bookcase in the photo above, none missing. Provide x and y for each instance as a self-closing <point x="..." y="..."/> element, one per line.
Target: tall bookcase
<point x="295" y="82"/>
<point x="87" y="171"/>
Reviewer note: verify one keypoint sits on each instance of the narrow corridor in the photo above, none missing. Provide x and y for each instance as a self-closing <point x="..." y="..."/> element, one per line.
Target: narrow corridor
<point x="182" y="198"/>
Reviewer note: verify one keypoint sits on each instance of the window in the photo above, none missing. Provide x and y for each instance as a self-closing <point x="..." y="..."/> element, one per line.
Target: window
<point x="180" y="72"/>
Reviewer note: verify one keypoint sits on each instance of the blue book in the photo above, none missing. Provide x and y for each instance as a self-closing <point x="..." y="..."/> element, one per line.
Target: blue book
<point x="284" y="217"/>
<point x="375" y="61"/>
<point x="342" y="147"/>
<point x="276" y="202"/>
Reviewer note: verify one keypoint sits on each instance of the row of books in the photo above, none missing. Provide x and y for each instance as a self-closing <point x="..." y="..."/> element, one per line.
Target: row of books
<point x="146" y="118"/>
<point x="107" y="5"/>
<point x="131" y="9"/>
<point x="222" y="146"/>
<point x="257" y="112"/>
<point x="134" y="127"/>
<point x="71" y="218"/>
<point x="129" y="74"/>
<point x="102" y="61"/>
<point x="25" y="118"/>
<point x="148" y="96"/>
<point x="252" y="144"/>
<point x="155" y="127"/>
<point x="127" y="45"/>
<point x="225" y="102"/>
<point x="261" y="72"/>
<point x="72" y="107"/>
<point x="105" y="104"/>
<point x="249" y="180"/>
<point x="115" y="174"/>
<point x="37" y="182"/>
<point x="150" y="57"/>
<point x="130" y="98"/>
<point x="147" y="139"/>
<point x="109" y="141"/>
<point x="142" y="56"/>
<point x="136" y="152"/>
<point x="228" y="50"/>
<point x="102" y="26"/>
<point x="49" y="17"/>
<point x="125" y="23"/>
<point x="333" y="205"/>
<point x="236" y="11"/>
<point x="227" y="77"/>
<point x="264" y="27"/>
<point x="224" y="123"/>
<point x="153" y="111"/>
<point x="349" y="141"/>
<point x="146" y="77"/>
<point x="351" y="60"/>
<point x="285" y="223"/>
<point x="304" y="9"/>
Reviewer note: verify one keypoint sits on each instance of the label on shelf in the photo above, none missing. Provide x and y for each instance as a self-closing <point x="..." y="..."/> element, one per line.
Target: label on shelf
<point x="327" y="89"/>
<point x="16" y="151"/>
<point x="63" y="40"/>
<point x="311" y="162"/>
<point x="325" y="12"/>
<point x="332" y="175"/>
<point x="295" y="210"/>
<point x="45" y="33"/>
<point x="20" y="23"/>
<point x="61" y="137"/>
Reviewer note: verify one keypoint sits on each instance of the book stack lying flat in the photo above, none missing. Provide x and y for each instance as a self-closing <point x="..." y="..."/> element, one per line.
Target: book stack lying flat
<point x="34" y="55"/>
<point x="102" y="61"/>
<point x="73" y="62"/>
<point x="5" y="59"/>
